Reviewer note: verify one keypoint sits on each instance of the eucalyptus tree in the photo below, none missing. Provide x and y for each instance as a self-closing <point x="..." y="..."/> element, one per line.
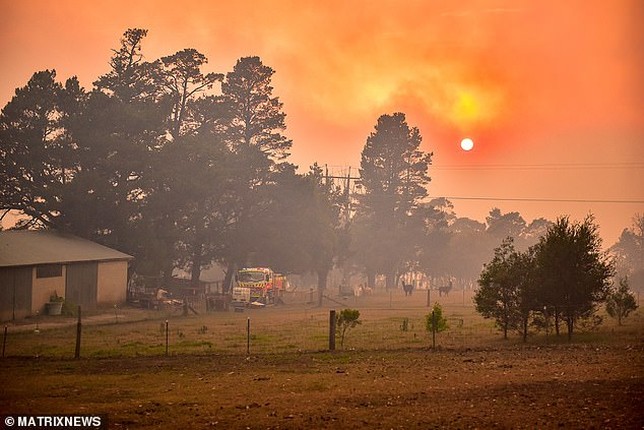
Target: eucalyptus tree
<point x="255" y="125"/>
<point x="393" y="174"/>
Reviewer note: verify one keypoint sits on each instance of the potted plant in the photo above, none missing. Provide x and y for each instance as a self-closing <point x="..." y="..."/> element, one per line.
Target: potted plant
<point x="55" y="305"/>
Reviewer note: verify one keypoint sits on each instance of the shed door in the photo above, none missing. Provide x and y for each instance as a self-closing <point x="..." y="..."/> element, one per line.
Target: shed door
<point x="15" y="292"/>
<point x="81" y="283"/>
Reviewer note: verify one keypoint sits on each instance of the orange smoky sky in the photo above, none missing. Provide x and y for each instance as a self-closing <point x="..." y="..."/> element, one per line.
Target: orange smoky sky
<point x="550" y="91"/>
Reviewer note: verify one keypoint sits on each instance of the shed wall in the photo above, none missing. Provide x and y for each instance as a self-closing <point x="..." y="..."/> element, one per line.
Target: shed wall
<point x="44" y="288"/>
<point x="112" y="282"/>
<point x="15" y="292"/>
<point x="82" y="283"/>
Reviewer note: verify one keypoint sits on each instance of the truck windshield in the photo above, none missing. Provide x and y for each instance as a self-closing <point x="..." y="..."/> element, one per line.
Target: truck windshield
<point x="247" y="276"/>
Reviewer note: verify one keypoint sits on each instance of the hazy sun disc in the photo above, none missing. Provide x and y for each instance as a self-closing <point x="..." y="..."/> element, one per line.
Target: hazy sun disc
<point x="467" y="144"/>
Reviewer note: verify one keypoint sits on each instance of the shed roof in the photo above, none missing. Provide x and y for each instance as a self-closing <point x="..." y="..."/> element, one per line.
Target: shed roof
<point x="26" y="248"/>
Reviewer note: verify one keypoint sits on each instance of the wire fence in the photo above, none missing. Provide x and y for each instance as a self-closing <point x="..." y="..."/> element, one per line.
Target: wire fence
<point x="389" y="320"/>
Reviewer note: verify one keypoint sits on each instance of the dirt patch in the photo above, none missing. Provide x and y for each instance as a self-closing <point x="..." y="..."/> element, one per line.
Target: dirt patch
<point x="570" y="386"/>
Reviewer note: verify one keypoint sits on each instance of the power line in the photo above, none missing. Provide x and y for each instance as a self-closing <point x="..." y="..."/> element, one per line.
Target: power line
<point x="553" y="166"/>
<point x="528" y="199"/>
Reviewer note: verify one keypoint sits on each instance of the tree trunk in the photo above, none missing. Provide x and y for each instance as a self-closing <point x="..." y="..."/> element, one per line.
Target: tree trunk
<point x="570" y="323"/>
<point x="168" y="268"/>
<point x="322" y="278"/>
<point x="557" y="321"/>
<point x="228" y="279"/>
<point x="525" y="328"/>
<point x="195" y="270"/>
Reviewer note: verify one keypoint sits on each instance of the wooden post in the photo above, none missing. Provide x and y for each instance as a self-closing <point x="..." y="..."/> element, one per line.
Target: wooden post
<point x="167" y="337"/>
<point x="248" y="336"/>
<point x="4" y="340"/>
<point x="78" y="334"/>
<point x="332" y="326"/>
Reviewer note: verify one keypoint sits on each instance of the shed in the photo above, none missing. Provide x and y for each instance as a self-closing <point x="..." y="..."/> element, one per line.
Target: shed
<point x="34" y="265"/>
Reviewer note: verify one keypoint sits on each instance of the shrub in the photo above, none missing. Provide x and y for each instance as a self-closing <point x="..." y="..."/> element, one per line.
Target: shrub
<point x="345" y="320"/>
<point x="620" y="301"/>
<point x="438" y="323"/>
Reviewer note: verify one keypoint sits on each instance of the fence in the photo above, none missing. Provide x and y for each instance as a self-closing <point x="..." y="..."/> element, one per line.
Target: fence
<point x="389" y="320"/>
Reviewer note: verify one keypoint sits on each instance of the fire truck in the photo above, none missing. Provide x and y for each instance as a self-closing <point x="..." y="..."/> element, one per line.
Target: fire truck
<point x="257" y="286"/>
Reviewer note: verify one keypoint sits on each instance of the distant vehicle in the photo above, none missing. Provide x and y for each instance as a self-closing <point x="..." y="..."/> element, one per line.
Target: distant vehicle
<point x="258" y="286"/>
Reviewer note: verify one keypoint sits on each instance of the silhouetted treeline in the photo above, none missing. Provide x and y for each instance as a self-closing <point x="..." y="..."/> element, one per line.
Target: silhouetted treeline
<point x="184" y="168"/>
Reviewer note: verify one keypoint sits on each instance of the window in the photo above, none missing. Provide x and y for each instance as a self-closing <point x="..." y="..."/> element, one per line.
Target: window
<point x="49" y="271"/>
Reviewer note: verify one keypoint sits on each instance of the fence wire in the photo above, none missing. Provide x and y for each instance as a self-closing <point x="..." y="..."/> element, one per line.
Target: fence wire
<point x="389" y="320"/>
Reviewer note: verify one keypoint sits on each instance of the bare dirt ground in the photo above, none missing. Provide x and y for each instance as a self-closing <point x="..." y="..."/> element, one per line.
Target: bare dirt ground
<point x="556" y="386"/>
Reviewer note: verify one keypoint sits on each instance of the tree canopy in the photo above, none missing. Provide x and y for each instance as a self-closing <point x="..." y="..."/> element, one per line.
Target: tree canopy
<point x="184" y="167"/>
<point x="565" y="275"/>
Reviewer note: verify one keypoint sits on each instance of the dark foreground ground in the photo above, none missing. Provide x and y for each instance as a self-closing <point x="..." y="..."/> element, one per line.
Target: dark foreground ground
<point x="558" y="386"/>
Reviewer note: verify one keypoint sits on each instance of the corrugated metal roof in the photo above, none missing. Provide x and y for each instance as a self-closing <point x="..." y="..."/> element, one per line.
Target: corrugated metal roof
<point x="26" y="248"/>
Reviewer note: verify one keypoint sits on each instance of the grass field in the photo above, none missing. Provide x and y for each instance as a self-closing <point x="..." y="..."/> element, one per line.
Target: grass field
<point x="389" y="321"/>
<point x="385" y="377"/>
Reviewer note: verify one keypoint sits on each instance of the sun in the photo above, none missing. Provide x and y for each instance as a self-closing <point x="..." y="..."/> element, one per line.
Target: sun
<point x="467" y="144"/>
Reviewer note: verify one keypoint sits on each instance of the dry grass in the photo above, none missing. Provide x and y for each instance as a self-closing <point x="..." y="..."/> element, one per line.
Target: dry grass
<point x="389" y="321"/>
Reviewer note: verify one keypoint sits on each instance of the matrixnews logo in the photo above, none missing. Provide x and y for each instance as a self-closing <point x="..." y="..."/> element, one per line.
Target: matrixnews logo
<point x="34" y="422"/>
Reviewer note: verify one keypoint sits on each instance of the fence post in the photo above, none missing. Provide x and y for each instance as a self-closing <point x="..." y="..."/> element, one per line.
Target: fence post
<point x="167" y="337"/>
<point x="332" y="322"/>
<point x="4" y="340"/>
<point x="78" y="335"/>
<point x="248" y="336"/>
